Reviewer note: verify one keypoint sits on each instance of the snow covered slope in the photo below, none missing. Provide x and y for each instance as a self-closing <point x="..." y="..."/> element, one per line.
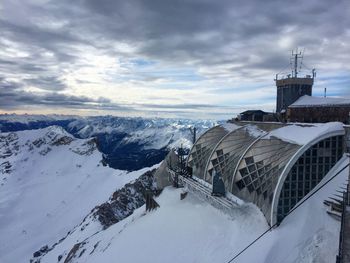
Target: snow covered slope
<point x="49" y="181"/>
<point x="179" y="231"/>
<point x="192" y="231"/>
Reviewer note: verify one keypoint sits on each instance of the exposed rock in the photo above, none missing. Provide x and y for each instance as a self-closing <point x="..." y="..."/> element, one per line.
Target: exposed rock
<point x="63" y="141"/>
<point x="125" y="200"/>
<point x="87" y="148"/>
<point x="72" y="252"/>
<point x="5" y="167"/>
<point x="106" y="215"/>
<point x="45" y="151"/>
<point x="37" y="143"/>
<point x="41" y="251"/>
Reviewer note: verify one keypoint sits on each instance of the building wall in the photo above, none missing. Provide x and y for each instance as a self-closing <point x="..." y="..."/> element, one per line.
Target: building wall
<point x="291" y="89"/>
<point x="308" y="171"/>
<point x="319" y="114"/>
<point x="253" y="117"/>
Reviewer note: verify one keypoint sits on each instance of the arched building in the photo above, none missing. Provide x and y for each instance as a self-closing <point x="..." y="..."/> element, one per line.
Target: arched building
<point x="271" y="165"/>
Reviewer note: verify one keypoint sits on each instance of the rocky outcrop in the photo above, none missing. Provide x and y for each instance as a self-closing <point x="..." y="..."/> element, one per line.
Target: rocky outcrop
<point x="125" y="200"/>
<point x="86" y="148"/>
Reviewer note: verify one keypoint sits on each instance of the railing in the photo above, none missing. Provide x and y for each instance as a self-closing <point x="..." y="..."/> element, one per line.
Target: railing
<point x="202" y="191"/>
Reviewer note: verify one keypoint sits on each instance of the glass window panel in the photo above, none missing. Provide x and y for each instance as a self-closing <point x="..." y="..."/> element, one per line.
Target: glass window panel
<point x="247" y="180"/>
<point x="219" y="152"/>
<point x="265" y="194"/>
<point x="300" y="194"/>
<point x="254" y="175"/>
<point x="240" y="184"/>
<point x="256" y="184"/>
<point x="259" y="164"/>
<point x="251" y="168"/>
<point x="249" y="160"/>
<point x="243" y="171"/>
<point x="250" y="188"/>
<point x="300" y="177"/>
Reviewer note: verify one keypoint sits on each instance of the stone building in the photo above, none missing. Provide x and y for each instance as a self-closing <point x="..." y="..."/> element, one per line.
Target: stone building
<point x="310" y="109"/>
<point x="290" y="89"/>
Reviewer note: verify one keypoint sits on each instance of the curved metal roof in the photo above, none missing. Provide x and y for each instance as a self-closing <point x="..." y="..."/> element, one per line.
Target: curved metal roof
<point x="258" y="171"/>
<point x="254" y="163"/>
<point x="203" y="147"/>
<point x="227" y="152"/>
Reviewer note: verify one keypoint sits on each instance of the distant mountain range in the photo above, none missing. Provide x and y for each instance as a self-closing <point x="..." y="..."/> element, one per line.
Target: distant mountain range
<point x="126" y="143"/>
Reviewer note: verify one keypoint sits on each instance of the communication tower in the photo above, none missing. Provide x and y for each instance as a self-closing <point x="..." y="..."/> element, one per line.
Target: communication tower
<point x="291" y="86"/>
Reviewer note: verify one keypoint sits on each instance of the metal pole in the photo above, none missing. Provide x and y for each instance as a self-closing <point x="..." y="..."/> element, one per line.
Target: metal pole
<point x="296" y="64"/>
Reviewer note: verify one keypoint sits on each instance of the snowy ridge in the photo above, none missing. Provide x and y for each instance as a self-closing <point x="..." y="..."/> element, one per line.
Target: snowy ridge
<point x="49" y="183"/>
<point x="152" y="133"/>
<point x="127" y="143"/>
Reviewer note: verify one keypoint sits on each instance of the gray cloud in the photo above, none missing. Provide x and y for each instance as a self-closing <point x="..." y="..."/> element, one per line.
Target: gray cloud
<point x="187" y="106"/>
<point x="249" y="38"/>
<point x="46" y="83"/>
<point x="12" y="96"/>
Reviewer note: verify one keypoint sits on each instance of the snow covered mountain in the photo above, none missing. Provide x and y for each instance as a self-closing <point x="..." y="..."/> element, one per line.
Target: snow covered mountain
<point x="49" y="181"/>
<point x="127" y="143"/>
<point x="59" y="203"/>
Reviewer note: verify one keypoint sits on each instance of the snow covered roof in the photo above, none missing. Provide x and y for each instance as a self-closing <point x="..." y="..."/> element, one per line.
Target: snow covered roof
<point x="310" y="101"/>
<point x="229" y="126"/>
<point x="253" y="161"/>
<point x="304" y="133"/>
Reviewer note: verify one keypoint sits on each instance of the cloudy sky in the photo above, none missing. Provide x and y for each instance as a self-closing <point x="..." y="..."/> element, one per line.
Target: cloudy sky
<point x="165" y="58"/>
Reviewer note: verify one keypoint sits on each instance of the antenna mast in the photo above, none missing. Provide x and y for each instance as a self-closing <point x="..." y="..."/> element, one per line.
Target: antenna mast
<point x="295" y="56"/>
